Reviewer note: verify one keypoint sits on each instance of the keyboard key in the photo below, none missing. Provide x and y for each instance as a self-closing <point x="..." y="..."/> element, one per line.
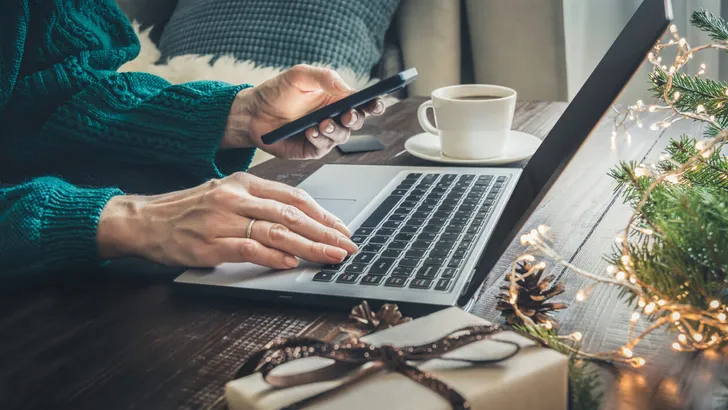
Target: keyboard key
<point x="358" y="239"/>
<point x="405" y="271"/>
<point x="454" y="263"/>
<point x="420" y="215"/>
<point x="454" y="228"/>
<point x="381" y="266"/>
<point x="364" y="258"/>
<point x="409" y="262"/>
<point x="379" y="239"/>
<point x="382" y="210"/>
<point x="323" y="277"/>
<point x="347" y="278"/>
<point x="459" y="253"/>
<point x="439" y="252"/>
<point x="426" y="208"/>
<point x="409" y="204"/>
<point x="415" y="222"/>
<point x="409" y="229"/>
<point x="473" y="229"/>
<point x="427" y="272"/>
<point x="435" y="261"/>
<point x="427" y="236"/>
<point x="403" y="210"/>
<point x="415" y="253"/>
<point x="397" y="217"/>
<point x="449" y="272"/>
<point x="405" y="184"/>
<point x="404" y="237"/>
<point x="446" y="208"/>
<point x="430" y="177"/>
<point x="391" y="253"/>
<point x="421" y="284"/>
<point x="421" y="244"/>
<point x="413" y="176"/>
<point x="449" y="177"/>
<point x="356" y="268"/>
<point x="399" y="192"/>
<point x="459" y="221"/>
<point x="418" y="192"/>
<point x="501" y="178"/>
<point x="396" y="282"/>
<point x="371" y="280"/>
<point x="364" y="231"/>
<point x="385" y="232"/>
<point x="450" y="235"/>
<point x="438" y="221"/>
<point x="442" y="284"/>
<point x="371" y="248"/>
<point x="432" y="228"/>
<point x="332" y="268"/>
<point x="397" y="245"/>
<point x="392" y="224"/>
<point x="445" y="243"/>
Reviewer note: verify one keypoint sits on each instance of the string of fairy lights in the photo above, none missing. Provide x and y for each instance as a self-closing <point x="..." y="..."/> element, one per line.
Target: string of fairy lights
<point x="697" y="328"/>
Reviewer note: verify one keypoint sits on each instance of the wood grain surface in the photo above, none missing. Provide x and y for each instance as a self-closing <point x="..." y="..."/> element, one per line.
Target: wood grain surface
<point x="92" y="340"/>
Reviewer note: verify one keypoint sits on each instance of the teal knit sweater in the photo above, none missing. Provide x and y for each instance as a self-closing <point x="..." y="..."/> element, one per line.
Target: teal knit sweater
<point x="67" y="113"/>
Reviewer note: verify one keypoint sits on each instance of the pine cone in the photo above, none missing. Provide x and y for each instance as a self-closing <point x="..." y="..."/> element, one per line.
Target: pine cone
<point x="533" y="294"/>
<point x="366" y="321"/>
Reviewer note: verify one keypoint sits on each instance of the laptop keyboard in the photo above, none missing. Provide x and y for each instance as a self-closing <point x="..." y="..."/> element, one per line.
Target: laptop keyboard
<point x="421" y="235"/>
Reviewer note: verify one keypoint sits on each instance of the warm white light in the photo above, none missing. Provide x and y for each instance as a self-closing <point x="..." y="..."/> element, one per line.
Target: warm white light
<point x="635" y="317"/>
<point x="611" y="269"/>
<point x="641" y="303"/>
<point x="676" y="96"/>
<point x="626" y="352"/>
<point x="548" y="325"/>
<point x="637" y="362"/>
<point x="714" y="304"/>
<point x="673" y="179"/>
<point x="675" y="316"/>
<point x="676" y="346"/>
<point x="620" y="275"/>
<point x="672" y="69"/>
<point x="698" y="337"/>
<point x="580" y="296"/>
<point x="673" y="28"/>
<point x="625" y="259"/>
<point x="721" y="317"/>
<point x="543" y="229"/>
<point x="682" y="338"/>
<point x="632" y="279"/>
<point x="682" y="42"/>
<point x="647" y="231"/>
<point x="650" y="308"/>
<point x="700" y="108"/>
<point x="640" y="172"/>
<point x="661" y="302"/>
<point x="577" y="336"/>
<point x="619" y="239"/>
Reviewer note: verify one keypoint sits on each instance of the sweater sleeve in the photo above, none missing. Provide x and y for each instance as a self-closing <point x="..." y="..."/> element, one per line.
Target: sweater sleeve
<point x="48" y="224"/>
<point x="69" y="104"/>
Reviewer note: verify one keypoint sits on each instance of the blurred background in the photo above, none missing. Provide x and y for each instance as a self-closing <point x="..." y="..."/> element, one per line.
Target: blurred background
<point x="545" y="49"/>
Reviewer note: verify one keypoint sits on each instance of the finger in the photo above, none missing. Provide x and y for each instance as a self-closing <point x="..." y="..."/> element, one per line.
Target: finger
<point x="297" y="221"/>
<point x="353" y="119"/>
<point x="275" y="235"/>
<point x="309" y="78"/>
<point x="297" y="197"/>
<point x="333" y="131"/>
<point x="375" y="107"/>
<point x="318" y="140"/>
<point x="250" y="250"/>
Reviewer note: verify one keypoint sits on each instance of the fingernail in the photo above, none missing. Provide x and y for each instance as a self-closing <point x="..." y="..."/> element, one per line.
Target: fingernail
<point x="290" y="261"/>
<point x="348" y="245"/>
<point x="315" y="133"/>
<point x="330" y="128"/>
<point x="379" y="107"/>
<point x="341" y="86"/>
<point x="354" y="118"/>
<point x="335" y="253"/>
<point x="339" y="226"/>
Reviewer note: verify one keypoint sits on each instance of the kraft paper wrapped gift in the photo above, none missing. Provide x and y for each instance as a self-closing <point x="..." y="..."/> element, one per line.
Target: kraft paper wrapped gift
<point x="535" y="378"/>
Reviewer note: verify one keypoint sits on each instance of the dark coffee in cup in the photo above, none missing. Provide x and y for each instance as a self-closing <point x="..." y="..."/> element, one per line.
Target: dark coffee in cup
<point x="477" y="97"/>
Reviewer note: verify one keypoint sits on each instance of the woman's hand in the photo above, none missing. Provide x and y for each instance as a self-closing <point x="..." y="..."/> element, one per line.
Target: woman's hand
<point x="289" y="96"/>
<point x="207" y="225"/>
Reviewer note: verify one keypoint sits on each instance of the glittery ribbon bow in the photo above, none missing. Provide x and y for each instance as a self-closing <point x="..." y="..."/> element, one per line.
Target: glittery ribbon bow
<point x="355" y="359"/>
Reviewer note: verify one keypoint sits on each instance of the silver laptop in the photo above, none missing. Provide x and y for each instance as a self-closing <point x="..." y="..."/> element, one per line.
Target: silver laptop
<point x="428" y="236"/>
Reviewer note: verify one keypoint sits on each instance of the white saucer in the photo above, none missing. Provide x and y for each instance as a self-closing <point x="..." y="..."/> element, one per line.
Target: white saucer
<point x="427" y="146"/>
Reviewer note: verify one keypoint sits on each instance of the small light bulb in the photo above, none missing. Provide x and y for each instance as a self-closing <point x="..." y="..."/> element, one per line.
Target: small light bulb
<point x="650" y="308"/>
<point x="543" y="229"/>
<point x="652" y="108"/>
<point x="672" y="69"/>
<point x="626" y="352"/>
<point x="698" y="337"/>
<point x="655" y="127"/>
<point x="620" y="275"/>
<point x="632" y="280"/>
<point x="676" y="96"/>
<point x="637" y="362"/>
<point x="619" y="239"/>
<point x="675" y="316"/>
<point x="577" y="336"/>
<point x="721" y="317"/>
<point x="640" y="172"/>
<point x="580" y="296"/>
<point x="646" y="231"/>
<point x="540" y="265"/>
<point x="682" y="338"/>
<point x="682" y="42"/>
<point x="714" y="304"/>
<point x="673" y="179"/>
<point x="635" y="317"/>
<point x="661" y="302"/>
<point x="548" y="325"/>
<point x="673" y="28"/>
<point x="625" y="259"/>
<point x="676" y="346"/>
<point x="641" y="303"/>
<point x="611" y="269"/>
<point x="700" y="108"/>
<point x="702" y="66"/>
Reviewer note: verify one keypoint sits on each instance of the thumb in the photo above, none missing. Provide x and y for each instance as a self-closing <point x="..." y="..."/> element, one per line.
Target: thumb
<point x="308" y="78"/>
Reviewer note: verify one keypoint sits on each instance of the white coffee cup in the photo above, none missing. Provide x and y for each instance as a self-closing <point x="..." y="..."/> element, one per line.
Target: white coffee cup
<point x="470" y="128"/>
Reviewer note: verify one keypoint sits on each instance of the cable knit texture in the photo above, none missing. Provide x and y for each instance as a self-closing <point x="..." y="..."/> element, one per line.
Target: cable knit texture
<point x="65" y="111"/>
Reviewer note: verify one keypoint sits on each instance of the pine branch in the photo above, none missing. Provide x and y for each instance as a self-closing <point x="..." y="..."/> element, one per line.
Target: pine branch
<point x="711" y="24"/>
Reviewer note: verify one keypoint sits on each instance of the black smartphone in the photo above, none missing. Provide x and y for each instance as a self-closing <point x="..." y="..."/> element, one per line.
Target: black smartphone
<point x="336" y="109"/>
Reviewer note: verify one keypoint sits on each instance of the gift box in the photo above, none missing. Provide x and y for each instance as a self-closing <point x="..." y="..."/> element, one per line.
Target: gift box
<point x="529" y="377"/>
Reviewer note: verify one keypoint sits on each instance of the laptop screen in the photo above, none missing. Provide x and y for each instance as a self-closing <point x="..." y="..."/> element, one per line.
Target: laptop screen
<point x="582" y="115"/>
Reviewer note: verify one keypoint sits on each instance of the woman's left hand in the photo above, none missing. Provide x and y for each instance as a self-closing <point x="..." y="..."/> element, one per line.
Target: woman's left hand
<point x="289" y="96"/>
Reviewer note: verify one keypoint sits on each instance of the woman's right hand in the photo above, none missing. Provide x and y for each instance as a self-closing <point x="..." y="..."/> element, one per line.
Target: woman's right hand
<point x="207" y="225"/>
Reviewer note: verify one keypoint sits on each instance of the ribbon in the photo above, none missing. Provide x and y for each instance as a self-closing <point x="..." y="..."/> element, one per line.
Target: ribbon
<point x="355" y="359"/>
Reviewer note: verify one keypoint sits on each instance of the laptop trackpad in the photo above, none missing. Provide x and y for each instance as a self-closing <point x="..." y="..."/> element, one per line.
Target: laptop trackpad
<point x="345" y="209"/>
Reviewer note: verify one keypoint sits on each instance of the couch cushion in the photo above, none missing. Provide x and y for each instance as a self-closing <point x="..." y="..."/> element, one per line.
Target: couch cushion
<point x="282" y="33"/>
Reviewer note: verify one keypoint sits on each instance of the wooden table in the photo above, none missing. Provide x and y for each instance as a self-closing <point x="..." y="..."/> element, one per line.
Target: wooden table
<point x="94" y="340"/>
